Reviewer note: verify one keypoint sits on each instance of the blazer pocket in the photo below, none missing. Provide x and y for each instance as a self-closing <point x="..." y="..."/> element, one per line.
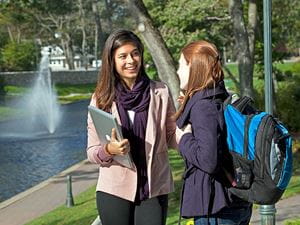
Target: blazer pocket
<point x="114" y="174"/>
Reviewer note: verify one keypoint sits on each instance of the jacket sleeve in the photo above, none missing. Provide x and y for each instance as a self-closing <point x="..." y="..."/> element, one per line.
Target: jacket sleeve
<point x="171" y="125"/>
<point x="95" y="151"/>
<point x="200" y="147"/>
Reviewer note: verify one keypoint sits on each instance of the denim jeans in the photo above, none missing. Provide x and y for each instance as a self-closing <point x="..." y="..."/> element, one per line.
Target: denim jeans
<point x="227" y="216"/>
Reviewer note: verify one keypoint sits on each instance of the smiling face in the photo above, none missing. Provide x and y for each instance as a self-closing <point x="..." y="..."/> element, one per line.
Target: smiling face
<point x="128" y="63"/>
<point x="183" y="72"/>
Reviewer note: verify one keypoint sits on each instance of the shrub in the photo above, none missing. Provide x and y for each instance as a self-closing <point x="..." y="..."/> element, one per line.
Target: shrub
<point x="19" y="56"/>
<point x="287" y="101"/>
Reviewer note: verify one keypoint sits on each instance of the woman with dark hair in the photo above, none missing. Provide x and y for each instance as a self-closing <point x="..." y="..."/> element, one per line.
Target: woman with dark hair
<point x="205" y="194"/>
<point x="143" y="108"/>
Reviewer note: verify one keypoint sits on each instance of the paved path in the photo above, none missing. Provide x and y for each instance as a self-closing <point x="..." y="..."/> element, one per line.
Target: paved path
<point x="286" y="209"/>
<point x="48" y="195"/>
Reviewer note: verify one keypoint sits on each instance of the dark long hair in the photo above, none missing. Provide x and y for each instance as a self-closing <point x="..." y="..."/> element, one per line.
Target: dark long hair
<point x="108" y="76"/>
<point x="205" y="68"/>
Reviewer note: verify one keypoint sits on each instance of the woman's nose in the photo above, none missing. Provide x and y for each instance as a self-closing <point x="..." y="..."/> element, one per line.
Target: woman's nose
<point x="129" y="59"/>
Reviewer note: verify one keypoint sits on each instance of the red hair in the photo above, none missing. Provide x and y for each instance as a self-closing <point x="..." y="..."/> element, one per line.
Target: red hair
<point x="205" y="68"/>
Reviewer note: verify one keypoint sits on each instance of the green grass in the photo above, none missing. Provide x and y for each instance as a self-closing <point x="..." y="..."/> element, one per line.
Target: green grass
<point x="283" y="67"/>
<point x="295" y="221"/>
<point x="64" y="90"/>
<point x="233" y="69"/>
<point x="292" y="222"/>
<point x="15" y="89"/>
<point x="84" y="212"/>
<point x="73" y="98"/>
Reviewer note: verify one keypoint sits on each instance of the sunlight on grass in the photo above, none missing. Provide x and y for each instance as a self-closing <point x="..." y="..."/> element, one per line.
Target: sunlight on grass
<point x="295" y="221"/>
<point x="84" y="212"/>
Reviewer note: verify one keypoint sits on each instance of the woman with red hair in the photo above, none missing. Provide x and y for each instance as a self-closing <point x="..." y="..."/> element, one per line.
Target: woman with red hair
<point x="205" y="194"/>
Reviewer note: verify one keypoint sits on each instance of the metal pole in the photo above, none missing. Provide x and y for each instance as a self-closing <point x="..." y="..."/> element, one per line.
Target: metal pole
<point x="69" y="201"/>
<point x="268" y="57"/>
<point x="268" y="212"/>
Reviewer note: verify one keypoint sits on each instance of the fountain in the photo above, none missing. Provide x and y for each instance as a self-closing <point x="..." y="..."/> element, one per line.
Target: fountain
<point x="44" y="140"/>
<point x="41" y="102"/>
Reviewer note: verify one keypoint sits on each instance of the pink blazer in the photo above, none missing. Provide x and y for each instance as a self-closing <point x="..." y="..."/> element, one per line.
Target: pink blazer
<point x="160" y="135"/>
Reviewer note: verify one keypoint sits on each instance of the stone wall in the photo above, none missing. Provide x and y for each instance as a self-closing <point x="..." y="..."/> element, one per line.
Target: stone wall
<point x="58" y="77"/>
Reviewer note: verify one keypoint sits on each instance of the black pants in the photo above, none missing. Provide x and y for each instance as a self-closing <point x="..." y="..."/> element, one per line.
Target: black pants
<point x="117" y="211"/>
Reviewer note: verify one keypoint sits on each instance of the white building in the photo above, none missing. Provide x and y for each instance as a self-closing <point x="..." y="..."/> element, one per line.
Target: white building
<point x="57" y="59"/>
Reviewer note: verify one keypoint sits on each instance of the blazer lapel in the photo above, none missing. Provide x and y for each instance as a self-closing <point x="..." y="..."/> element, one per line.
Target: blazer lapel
<point x="152" y="119"/>
<point x="115" y="113"/>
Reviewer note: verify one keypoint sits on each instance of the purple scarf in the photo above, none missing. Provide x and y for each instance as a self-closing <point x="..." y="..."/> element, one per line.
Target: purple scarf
<point x="137" y="100"/>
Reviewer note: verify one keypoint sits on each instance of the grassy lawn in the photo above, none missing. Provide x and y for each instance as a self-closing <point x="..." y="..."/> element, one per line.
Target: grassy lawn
<point x="84" y="212"/>
<point x="293" y="222"/>
<point x="283" y="67"/>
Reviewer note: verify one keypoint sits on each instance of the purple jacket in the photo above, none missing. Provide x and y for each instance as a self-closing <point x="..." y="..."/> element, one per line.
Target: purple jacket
<point x="202" y="150"/>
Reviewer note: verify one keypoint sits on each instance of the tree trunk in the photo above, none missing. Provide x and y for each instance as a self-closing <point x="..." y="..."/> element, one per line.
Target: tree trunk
<point x="11" y="36"/>
<point x="99" y="37"/>
<point x="162" y="58"/>
<point x="82" y="27"/>
<point x="245" y="60"/>
<point x="252" y="26"/>
<point x="68" y="50"/>
<point x="109" y="12"/>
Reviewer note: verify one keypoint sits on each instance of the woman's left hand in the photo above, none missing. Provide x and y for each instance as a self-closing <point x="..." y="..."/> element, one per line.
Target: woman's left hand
<point x="180" y="98"/>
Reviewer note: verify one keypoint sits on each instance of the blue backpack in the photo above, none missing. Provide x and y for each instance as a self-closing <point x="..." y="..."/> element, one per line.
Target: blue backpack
<point x="260" y="148"/>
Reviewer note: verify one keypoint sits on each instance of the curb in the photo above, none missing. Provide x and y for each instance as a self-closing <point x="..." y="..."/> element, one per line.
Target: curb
<point x="41" y="185"/>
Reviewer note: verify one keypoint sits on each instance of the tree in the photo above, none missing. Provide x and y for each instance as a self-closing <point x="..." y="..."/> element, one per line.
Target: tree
<point x="19" y="56"/>
<point x="99" y="34"/>
<point x="83" y="31"/>
<point x="244" y="42"/>
<point x="181" y="22"/>
<point x="162" y="58"/>
<point x="15" y="18"/>
<point x="57" y="18"/>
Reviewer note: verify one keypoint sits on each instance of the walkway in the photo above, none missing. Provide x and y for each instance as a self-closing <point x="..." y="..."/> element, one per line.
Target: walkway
<point x="48" y="195"/>
<point x="286" y="209"/>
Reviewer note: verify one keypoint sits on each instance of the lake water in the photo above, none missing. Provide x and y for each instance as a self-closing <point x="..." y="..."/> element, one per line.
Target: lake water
<point x="29" y="157"/>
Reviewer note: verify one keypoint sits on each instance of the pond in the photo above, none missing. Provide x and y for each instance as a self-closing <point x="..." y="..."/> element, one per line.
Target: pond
<point x="29" y="157"/>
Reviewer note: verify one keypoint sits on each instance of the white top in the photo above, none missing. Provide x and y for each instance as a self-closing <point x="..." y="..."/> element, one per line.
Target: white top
<point x="131" y="115"/>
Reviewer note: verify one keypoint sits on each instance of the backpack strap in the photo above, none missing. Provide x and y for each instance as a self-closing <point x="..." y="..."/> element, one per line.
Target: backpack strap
<point x="242" y="103"/>
<point x="232" y="98"/>
<point x="246" y="137"/>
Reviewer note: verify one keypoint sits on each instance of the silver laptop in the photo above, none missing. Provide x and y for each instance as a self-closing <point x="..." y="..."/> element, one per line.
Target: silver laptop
<point x="104" y="122"/>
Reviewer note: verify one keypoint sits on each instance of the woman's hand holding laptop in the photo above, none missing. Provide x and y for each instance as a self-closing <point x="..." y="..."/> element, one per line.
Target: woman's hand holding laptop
<point x="116" y="147"/>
